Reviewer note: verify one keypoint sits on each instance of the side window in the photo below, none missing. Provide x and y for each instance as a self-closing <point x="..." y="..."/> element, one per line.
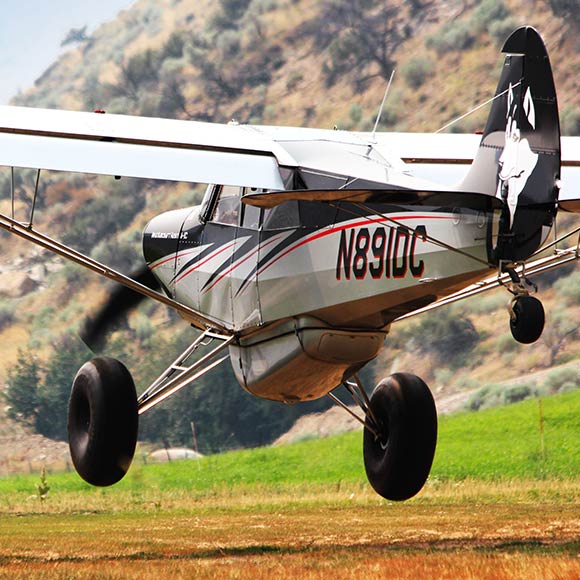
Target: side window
<point x="251" y="218"/>
<point x="227" y="209"/>
<point x="283" y="216"/>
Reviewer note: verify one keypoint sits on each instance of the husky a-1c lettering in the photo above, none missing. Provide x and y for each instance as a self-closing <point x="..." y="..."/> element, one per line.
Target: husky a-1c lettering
<point x="385" y="253"/>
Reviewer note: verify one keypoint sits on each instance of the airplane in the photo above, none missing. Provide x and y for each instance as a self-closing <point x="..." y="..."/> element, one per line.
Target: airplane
<point x="307" y="247"/>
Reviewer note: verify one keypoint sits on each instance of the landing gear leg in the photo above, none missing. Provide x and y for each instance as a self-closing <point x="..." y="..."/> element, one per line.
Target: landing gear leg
<point x="527" y="315"/>
<point x="400" y="435"/>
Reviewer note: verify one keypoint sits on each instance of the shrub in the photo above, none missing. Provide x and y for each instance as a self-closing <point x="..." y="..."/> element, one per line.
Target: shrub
<point x="102" y="216"/>
<point x="118" y="255"/>
<point x="174" y="47"/>
<point x="501" y="29"/>
<point x="355" y="113"/>
<point x="567" y="388"/>
<point x="506" y="343"/>
<point x="551" y="276"/>
<point x="487" y="13"/>
<point x="142" y="327"/>
<point x="515" y="393"/>
<point x="417" y="70"/>
<point x="172" y="100"/>
<point x="262" y="6"/>
<point x="446" y="334"/>
<point x="6" y="314"/>
<point x="456" y="36"/>
<point x="570" y="120"/>
<point x="564" y="377"/>
<point x="139" y="71"/>
<point x="74" y="274"/>
<point x="229" y="14"/>
<point x="171" y="69"/>
<point x="294" y="79"/>
<point x="120" y="105"/>
<point x="487" y="303"/>
<point x="494" y="395"/>
<point x="443" y="377"/>
<point x="569" y="288"/>
<point x="481" y="398"/>
<point x="229" y="44"/>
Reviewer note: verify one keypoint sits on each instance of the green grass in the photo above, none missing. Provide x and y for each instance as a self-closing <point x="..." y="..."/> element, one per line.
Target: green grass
<point x="495" y="444"/>
<point x="506" y="443"/>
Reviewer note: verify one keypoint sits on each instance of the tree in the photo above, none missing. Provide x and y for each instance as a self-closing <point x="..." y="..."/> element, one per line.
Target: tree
<point x="139" y="71"/>
<point x="566" y="9"/>
<point x="225" y="416"/>
<point x="75" y="36"/>
<point x="447" y="333"/>
<point x="22" y="389"/>
<point x="172" y="99"/>
<point x="361" y="37"/>
<point x="38" y="397"/>
<point x="558" y="332"/>
<point x="69" y="355"/>
<point x="229" y="14"/>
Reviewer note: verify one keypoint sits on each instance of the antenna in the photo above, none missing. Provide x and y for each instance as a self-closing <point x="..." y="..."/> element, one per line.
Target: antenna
<point x="373" y="137"/>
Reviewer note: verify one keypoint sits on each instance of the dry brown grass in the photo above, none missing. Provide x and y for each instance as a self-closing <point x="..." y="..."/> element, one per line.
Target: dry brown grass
<point x="446" y="533"/>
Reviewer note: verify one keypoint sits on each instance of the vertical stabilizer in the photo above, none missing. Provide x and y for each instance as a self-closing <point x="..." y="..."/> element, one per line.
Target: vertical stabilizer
<point x="518" y="160"/>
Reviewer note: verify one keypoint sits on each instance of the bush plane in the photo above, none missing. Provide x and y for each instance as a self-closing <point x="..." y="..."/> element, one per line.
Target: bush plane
<point x="308" y="246"/>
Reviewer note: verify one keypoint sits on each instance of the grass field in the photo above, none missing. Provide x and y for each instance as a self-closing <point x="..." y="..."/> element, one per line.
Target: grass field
<point x="496" y="506"/>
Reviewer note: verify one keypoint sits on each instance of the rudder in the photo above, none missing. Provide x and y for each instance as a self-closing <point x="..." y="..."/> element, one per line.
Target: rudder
<point x="518" y="160"/>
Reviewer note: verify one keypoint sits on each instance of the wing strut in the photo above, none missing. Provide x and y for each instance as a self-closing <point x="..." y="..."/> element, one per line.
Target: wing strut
<point x="27" y="232"/>
<point x="557" y="259"/>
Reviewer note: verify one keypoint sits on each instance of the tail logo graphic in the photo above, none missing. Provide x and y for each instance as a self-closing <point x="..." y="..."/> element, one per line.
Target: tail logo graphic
<point x="517" y="160"/>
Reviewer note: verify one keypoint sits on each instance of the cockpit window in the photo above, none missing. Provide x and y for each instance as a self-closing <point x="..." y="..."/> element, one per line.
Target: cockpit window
<point x="227" y="209"/>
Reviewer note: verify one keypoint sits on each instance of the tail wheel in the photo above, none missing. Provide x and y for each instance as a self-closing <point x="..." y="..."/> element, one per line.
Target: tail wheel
<point x="399" y="455"/>
<point x="102" y="421"/>
<point x="527" y="321"/>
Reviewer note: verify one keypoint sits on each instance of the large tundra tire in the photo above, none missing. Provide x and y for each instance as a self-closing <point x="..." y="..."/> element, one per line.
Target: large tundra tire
<point x="102" y="421"/>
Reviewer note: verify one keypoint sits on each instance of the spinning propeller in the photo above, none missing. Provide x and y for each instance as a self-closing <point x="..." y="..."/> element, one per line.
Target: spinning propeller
<point x="120" y="301"/>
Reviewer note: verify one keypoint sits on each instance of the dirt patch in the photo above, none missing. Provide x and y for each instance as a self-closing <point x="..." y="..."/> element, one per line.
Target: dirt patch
<point x="318" y="425"/>
<point x="22" y="451"/>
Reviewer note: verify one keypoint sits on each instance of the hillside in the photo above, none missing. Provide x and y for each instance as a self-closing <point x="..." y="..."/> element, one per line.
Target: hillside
<point x="288" y="62"/>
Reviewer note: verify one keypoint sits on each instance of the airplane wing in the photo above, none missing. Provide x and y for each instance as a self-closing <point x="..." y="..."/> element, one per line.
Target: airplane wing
<point x="178" y="150"/>
<point x="139" y="147"/>
<point x="232" y="154"/>
<point x="237" y="155"/>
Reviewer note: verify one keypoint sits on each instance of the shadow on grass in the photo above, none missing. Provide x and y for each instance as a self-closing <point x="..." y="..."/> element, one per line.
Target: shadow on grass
<point x="531" y="546"/>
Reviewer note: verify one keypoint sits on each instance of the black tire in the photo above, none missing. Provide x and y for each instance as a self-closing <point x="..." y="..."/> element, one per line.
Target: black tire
<point x="398" y="463"/>
<point x="528" y="320"/>
<point x="102" y="421"/>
